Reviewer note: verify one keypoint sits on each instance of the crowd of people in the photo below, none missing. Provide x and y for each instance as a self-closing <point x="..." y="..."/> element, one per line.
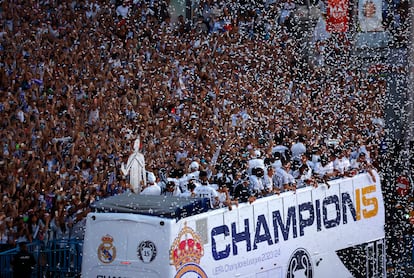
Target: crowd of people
<point x="80" y="80"/>
<point x="258" y="177"/>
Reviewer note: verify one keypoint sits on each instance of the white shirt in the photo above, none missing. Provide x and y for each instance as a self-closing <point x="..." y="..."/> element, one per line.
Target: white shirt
<point x="298" y="149"/>
<point x="268" y="182"/>
<point x="323" y="170"/>
<point x="205" y="191"/>
<point x="302" y="178"/>
<point x="183" y="181"/>
<point x="255" y="163"/>
<point x="186" y="194"/>
<point x="342" y="164"/>
<point x="222" y="197"/>
<point x="280" y="149"/>
<point x="280" y="179"/>
<point x="192" y="175"/>
<point x="256" y="184"/>
<point x="122" y="11"/>
<point x="306" y="175"/>
<point x="277" y="164"/>
<point x="152" y="189"/>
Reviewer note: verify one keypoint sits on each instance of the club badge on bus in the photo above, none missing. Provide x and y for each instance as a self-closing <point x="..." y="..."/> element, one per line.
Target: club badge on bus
<point x="106" y="250"/>
<point x="186" y="253"/>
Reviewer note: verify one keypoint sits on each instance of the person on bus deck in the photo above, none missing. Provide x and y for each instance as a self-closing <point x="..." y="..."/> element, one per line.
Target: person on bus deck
<point x="152" y="187"/>
<point x="303" y="176"/>
<point x="268" y="181"/>
<point x="194" y="170"/>
<point x="255" y="161"/>
<point x="277" y="163"/>
<point x="177" y="177"/>
<point x="256" y="181"/>
<point x="303" y="173"/>
<point x="362" y="165"/>
<point x="342" y="163"/>
<point x="298" y="148"/>
<point x="204" y="190"/>
<point x="282" y="179"/>
<point x="281" y="149"/>
<point x="224" y="196"/>
<point x="243" y="193"/>
<point x="190" y="192"/>
<point x="324" y="170"/>
<point x="171" y="189"/>
<point x="238" y="179"/>
<point x="193" y="173"/>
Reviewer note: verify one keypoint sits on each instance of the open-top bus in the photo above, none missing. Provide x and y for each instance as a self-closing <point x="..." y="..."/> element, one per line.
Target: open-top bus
<point x="328" y="231"/>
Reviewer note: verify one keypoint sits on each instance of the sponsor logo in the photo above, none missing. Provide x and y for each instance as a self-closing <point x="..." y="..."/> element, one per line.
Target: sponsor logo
<point x="300" y="265"/>
<point x="186" y="253"/>
<point x="106" y="250"/>
<point x="147" y="251"/>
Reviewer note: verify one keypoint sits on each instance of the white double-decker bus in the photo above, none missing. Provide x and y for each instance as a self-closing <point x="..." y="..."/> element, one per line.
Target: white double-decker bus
<point x="335" y="231"/>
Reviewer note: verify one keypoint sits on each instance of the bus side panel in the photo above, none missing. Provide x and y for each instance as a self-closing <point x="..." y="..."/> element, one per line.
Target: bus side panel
<point x="126" y="245"/>
<point x="294" y="234"/>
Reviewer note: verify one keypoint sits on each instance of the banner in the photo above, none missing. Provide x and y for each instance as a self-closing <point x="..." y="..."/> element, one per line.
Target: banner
<point x="403" y="186"/>
<point x="370" y="15"/>
<point x="337" y="16"/>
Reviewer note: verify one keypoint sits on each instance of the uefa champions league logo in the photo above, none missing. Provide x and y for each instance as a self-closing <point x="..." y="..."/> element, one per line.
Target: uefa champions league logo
<point x="146" y="251"/>
<point x="300" y="265"/>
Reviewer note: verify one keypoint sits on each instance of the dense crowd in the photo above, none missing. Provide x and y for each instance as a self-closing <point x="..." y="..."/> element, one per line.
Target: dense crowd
<point x="81" y="80"/>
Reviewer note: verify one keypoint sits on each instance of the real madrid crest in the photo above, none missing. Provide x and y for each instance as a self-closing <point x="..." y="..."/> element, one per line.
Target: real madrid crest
<point x="186" y="253"/>
<point x="106" y="250"/>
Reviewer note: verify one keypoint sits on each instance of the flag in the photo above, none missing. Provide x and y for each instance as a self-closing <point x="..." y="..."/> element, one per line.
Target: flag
<point x="337" y="16"/>
<point x="320" y="32"/>
<point x="403" y="186"/>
